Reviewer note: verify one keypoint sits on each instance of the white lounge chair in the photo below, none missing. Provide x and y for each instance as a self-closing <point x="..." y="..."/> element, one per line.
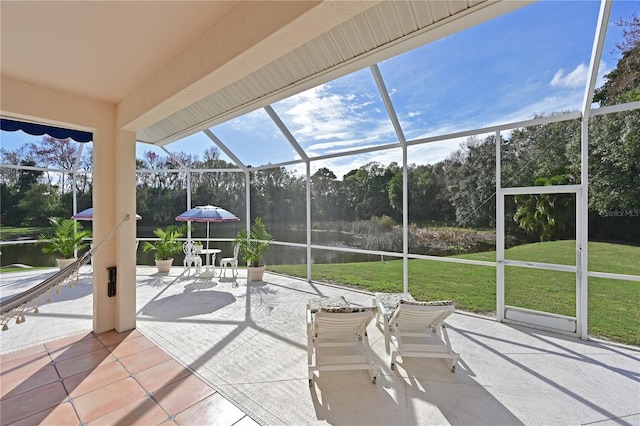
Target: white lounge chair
<point x="230" y="261"/>
<point x="337" y="337"/>
<point x="387" y="303"/>
<point x="416" y="329"/>
<point x="191" y="257"/>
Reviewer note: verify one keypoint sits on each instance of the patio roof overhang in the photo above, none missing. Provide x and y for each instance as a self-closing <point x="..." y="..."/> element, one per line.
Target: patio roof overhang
<point x="176" y="68"/>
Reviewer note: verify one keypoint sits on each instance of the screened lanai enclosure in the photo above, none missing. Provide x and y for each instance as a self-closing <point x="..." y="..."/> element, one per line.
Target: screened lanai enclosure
<point x="500" y="174"/>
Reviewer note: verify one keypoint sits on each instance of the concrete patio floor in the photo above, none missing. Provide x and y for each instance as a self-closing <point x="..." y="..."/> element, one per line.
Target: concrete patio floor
<point x="248" y="342"/>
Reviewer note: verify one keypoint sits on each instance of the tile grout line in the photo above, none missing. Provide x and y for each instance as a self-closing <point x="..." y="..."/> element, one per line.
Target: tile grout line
<point x="204" y="379"/>
<point x="148" y="394"/>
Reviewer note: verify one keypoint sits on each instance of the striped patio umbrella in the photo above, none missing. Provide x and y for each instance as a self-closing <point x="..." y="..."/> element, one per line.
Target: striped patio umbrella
<point x="207" y="214"/>
<point x="88" y="215"/>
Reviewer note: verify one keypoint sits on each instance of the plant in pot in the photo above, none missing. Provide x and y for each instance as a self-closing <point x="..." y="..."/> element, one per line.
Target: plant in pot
<point x="67" y="237"/>
<point x="253" y="247"/>
<point x="198" y="246"/>
<point x="165" y="247"/>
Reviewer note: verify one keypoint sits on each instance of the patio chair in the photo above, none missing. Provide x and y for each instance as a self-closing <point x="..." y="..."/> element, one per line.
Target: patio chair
<point x="387" y="303"/>
<point x="337" y="337"/>
<point x="416" y="329"/>
<point x="231" y="261"/>
<point x="191" y="257"/>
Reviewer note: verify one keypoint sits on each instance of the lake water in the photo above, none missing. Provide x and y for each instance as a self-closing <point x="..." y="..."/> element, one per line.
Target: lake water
<point x="31" y="254"/>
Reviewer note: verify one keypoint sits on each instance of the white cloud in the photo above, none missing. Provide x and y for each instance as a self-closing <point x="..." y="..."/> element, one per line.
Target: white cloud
<point x="329" y="147"/>
<point x="578" y="77"/>
<point x="317" y="113"/>
<point x="336" y="120"/>
<point x="570" y="100"/>
<point x="575" y="78"/>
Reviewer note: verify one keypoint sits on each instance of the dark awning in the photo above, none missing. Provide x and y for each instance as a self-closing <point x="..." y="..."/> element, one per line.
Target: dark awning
<point x="41" y="129"/>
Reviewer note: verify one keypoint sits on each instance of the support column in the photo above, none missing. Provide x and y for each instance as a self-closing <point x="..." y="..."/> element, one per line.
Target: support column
<point x="104" y="190"/>
<point x="125" y="197"/>
<point x="114" y="197"/>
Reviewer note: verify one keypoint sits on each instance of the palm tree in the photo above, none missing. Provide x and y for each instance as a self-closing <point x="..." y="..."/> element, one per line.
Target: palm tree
<point x="68" y="236"/>
<point x="167" y="246"/>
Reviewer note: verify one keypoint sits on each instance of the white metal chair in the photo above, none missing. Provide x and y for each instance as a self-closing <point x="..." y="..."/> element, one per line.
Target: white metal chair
<point x="337" y="337"/>
<point x="230" y="261"/>
<point x="417" y="329"/>
<point x="191" y="257"/>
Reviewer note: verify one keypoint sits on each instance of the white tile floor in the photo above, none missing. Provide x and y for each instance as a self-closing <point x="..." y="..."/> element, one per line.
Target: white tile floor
<point x="249" y="343"/>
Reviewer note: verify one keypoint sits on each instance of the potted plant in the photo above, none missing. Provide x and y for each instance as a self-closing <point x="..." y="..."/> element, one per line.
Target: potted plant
<point x="253" y="247"/>
<point x="68" y="237"/>
<point x="167" y="245"/>
<point x="198" y="246"/>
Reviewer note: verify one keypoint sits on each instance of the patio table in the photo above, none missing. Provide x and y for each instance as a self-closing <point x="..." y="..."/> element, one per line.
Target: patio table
<point x="210" y="262"/>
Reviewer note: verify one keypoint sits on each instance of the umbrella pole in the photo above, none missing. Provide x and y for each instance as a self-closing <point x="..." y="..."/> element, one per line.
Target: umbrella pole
<point x="207" y="235"/>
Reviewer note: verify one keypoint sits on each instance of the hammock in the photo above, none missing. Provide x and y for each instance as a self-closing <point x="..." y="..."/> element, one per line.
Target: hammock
<point x="29" y="300"/>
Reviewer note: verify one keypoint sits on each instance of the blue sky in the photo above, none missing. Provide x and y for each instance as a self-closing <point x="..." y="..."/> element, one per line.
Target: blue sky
<point x="531" y="61"/>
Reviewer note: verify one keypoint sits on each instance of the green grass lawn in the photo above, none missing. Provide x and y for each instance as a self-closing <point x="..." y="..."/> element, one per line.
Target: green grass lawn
<point x="614" y="305"/>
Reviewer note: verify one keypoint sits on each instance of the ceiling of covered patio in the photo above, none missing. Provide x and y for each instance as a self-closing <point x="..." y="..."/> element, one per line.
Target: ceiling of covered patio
<point x="176" y="68"/>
